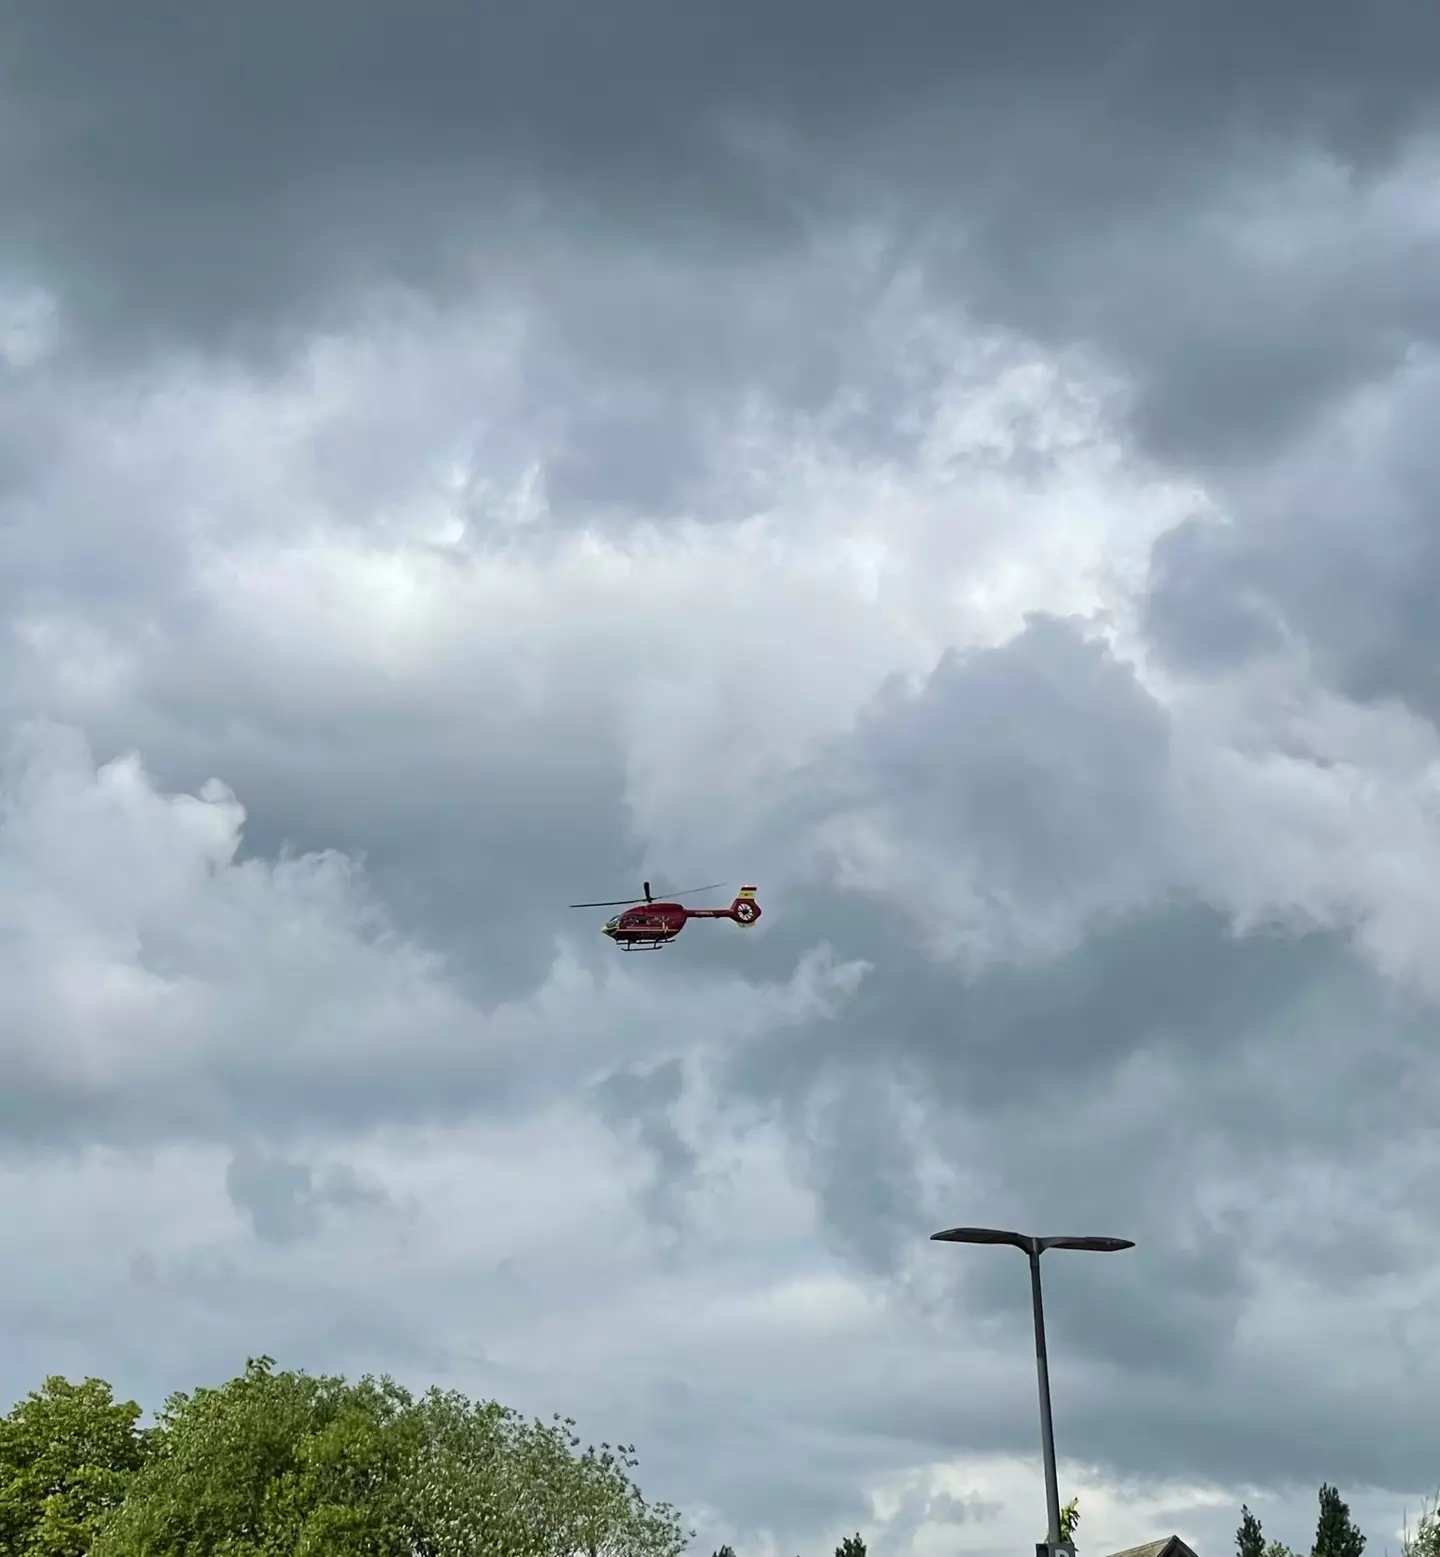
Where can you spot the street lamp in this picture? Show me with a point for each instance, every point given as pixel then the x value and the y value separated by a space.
pixel 1034 1248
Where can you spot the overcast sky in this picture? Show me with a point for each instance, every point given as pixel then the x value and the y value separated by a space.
pixel 968 469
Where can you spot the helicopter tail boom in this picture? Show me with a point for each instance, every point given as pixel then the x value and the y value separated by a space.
pixel 744 910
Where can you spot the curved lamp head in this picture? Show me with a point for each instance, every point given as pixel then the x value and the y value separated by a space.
pixel 982 1235
pixel 1095 1245
pixel 1027 1244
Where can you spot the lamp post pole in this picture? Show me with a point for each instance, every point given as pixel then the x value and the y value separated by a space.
pixel 1033 1248
pixel 1047 1420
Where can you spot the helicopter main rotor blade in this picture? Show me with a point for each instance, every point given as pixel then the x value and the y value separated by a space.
pixel 650 897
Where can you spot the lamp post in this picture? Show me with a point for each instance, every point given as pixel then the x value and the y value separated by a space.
pixel 1033 1248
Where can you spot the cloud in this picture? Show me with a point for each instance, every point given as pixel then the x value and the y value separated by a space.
pixel 1162 191
pixel 1328 549
pixel 1059 884
pixel 516 658
pixel 162 987
pixel 285 1200
pixel 969 477
pixel 1038 768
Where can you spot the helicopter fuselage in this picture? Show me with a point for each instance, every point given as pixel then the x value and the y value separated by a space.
pixel 649 926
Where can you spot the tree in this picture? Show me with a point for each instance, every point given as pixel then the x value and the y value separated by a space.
pixel 282 1464
pixel 1069 1519
pixel 1424 1539
pixel 851 1546
pixel 67 1454
pixel 725 1551
pixel 1335 1532
pixel 490 1484
pixel 269 1463
pixel 1249 1538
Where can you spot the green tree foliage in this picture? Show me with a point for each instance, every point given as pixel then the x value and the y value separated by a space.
pixel 724 1551
pixel 269 1463
pixel 851 1546
pixel 1249 1538
pixel 489 1482
pixel 1335 1532
pixel 1424 1539
pixel 282 1464
pixel 1069 1519
pixel 67 1453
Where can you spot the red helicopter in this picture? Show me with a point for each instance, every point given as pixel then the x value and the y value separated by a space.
pixel 647 925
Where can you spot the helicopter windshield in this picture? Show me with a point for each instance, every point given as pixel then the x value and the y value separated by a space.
pixel 611 924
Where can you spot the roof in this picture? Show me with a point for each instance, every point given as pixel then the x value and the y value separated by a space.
pixel 1169 1546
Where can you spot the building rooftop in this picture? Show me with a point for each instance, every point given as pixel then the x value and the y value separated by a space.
pixel 1169 1546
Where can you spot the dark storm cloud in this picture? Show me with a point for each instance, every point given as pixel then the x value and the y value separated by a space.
pixel 477 857
pixel 1023 1047
pixel 1336 549
pixel 1200 610
pixel 771 1478
pixel 213 175
pixel 1236 303
pixel 1104 1089
pixel 287 1200
pixel 475 830
pixel 1010 1036
pixel 863 1166
pixel 1023 795
pixel 1042 760
pixel 640 1102
pixel 1101 1096
pixel 1234 1424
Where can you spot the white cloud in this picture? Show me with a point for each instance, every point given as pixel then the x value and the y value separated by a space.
pixel 711 660
pixel 350 592
pixel 1300 807
pixel 154 980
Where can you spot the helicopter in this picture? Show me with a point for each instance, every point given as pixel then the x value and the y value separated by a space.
pixel 647 925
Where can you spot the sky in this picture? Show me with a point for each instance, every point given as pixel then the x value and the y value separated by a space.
pixel 968 471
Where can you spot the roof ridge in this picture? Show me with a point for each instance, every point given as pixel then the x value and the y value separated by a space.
pixel 1166 1546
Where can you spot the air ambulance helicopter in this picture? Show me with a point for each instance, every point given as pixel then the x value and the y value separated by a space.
pixel 647 925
